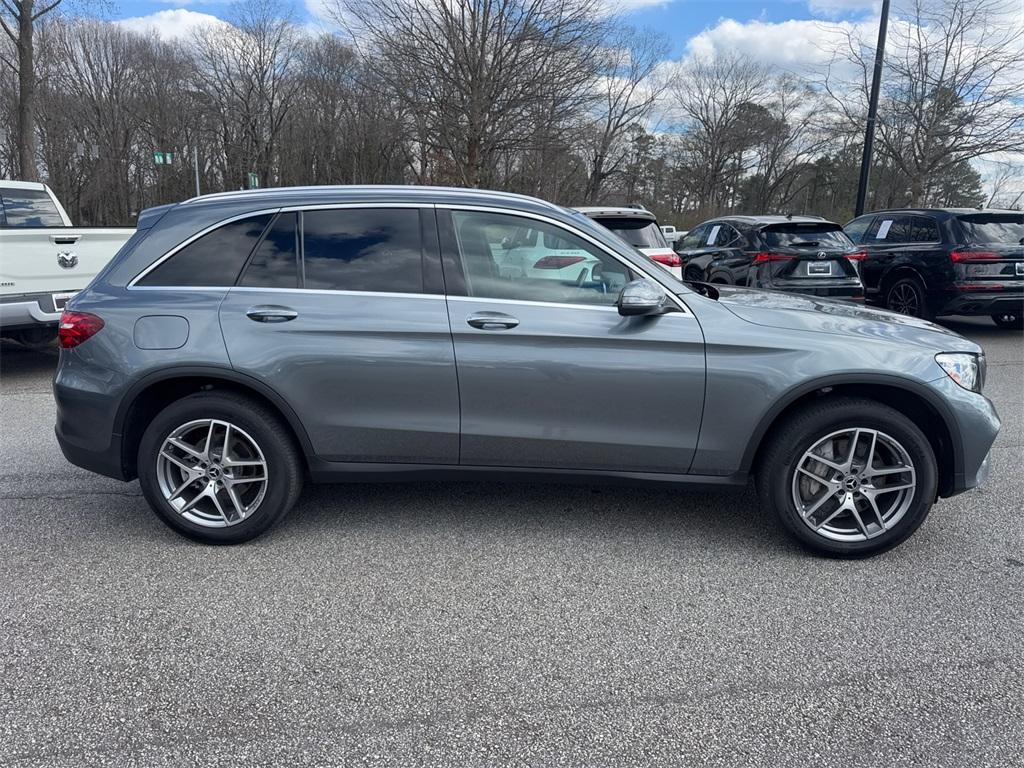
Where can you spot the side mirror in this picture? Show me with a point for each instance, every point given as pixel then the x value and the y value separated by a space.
pixel 642 297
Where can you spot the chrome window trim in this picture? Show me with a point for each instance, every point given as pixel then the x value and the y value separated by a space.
pixel 685 310
pixel 526 303
pixel 217 225
pixel 386 294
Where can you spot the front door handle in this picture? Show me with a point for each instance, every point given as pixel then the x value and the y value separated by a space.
pixel 271 313
pixel 492 321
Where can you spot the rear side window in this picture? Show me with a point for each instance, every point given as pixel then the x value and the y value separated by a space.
pixel 805 236
pixel 1003 228
pixel 275 262
pixel 640 233
pixel 922 229
pixel 726 235
pixel 214 260
pixel 28 208
pixel 363 249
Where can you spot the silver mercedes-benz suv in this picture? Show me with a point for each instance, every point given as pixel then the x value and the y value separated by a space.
pixel 241 343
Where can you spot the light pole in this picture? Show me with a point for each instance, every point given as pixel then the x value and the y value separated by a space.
pixel 869 131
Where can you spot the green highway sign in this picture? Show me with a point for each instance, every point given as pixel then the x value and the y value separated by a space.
pixel 163 158
pixel 254 181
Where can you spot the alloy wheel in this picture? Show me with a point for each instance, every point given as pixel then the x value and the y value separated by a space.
pixel 212 473
pixel 854 484
pixel 904 298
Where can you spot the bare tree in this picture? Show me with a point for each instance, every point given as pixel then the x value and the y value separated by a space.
pixel 18 19
pixel 718 106
pixel 951 88
pixel 478 73
pixel 629 86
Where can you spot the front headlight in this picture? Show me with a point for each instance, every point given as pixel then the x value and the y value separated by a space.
pixel 964 368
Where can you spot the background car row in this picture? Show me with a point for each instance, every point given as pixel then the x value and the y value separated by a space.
pixel 920 262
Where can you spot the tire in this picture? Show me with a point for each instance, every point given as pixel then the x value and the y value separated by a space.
pixel 1013 321
pixel 780 482
pixel 260 443
pixel 906 296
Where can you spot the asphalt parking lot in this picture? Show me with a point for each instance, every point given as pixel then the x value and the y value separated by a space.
pixel 465 625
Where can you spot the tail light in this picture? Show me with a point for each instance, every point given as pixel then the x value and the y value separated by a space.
pixel 860 256
pixel 973 255
pixel 76 327
pixel 669 259
pixel 762 258
pixel 558 262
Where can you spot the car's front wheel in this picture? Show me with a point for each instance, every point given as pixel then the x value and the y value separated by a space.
pixel 1013 321
pixel 219 467
pixel 848 477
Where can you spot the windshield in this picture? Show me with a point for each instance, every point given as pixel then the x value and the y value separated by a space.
pixel 806 236
pixel 1005 228
pixel 640 233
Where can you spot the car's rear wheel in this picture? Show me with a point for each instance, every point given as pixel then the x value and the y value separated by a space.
pixel 848 477
pixel 1013 321
pixel 219 467
pixel 907 297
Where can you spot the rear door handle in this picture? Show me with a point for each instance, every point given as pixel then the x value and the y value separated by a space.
pixel 271 313
pixel 492 321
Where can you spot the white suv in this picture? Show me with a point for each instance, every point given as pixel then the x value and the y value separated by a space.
pixel 639 228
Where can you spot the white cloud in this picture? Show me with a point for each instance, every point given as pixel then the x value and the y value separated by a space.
pixel 174 24
pixel 791 45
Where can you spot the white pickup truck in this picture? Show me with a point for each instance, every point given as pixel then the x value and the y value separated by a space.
pixel 44 260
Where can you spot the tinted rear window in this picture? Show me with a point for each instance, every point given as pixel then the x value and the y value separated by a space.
pixel 641 233
pixel 805 236
pixel 215 259
pixel 29 208
pixel 275 262
pixel 1006 228
pixel 363 249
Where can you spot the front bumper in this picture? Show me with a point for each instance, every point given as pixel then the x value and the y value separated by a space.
pixel 28 310
pixel 974 425
pixel 984 303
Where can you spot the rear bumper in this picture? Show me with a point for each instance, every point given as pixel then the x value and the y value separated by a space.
pixel 983 303
pixel 87 402
pixel 853 292
pixel 28 311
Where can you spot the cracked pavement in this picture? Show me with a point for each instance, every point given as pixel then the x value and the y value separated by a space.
pixel 483 624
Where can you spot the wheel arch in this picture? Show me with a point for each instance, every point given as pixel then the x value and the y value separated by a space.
pixel 156 391
pixel 914 400
pixel 897 272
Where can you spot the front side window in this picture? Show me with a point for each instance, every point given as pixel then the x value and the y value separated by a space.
pixel 726 235
pixel 28 208
pixel 696 237
pixel 640 233
pixel 213 260
pixel 275 262
pixel 858 227
pixel 541 262
pixel 888 230
pixel 363 249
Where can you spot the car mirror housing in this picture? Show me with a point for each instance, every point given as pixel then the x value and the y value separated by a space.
pixel 642 297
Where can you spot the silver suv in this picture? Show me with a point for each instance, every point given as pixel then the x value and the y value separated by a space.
pixel 242 343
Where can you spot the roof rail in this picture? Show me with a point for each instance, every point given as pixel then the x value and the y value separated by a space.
pixel 403 188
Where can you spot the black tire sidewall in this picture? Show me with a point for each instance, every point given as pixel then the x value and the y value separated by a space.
pixel 922 300
pixel 284 476
pixel 801 433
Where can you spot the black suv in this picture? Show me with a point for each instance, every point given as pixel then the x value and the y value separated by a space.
pixel 944 261
pixel 799 254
